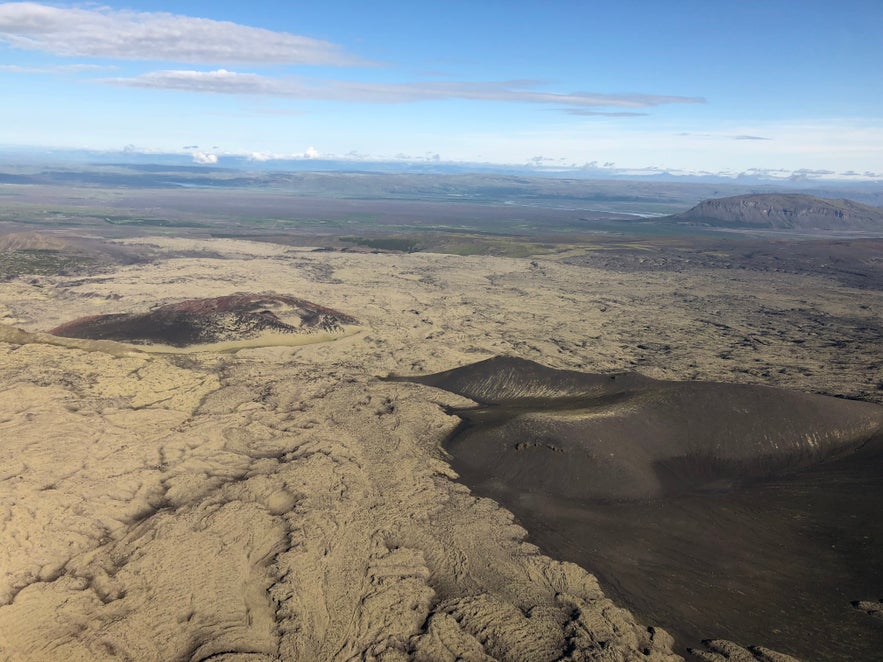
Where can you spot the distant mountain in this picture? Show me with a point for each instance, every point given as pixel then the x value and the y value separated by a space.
pixel 783 211
pixel 18 162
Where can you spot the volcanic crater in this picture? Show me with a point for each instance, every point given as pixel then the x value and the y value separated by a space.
pixel 230 318
pixel 708 508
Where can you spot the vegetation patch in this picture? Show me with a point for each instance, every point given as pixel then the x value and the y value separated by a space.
pixel 152 222
pixel 401 244
pixel 39 262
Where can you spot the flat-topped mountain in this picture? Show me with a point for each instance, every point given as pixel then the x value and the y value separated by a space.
pixel 783 211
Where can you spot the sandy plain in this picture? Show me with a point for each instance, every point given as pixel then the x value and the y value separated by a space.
pixel 284 502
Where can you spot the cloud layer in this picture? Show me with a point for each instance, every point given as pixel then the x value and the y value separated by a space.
pixel 596 113
pixel 102 32
pixel 222 81
pixel 129 35
pixel 55 69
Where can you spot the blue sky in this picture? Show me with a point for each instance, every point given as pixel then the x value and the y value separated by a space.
pixel 711 86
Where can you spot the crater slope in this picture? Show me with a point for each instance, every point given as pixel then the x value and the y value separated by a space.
pixel 626 436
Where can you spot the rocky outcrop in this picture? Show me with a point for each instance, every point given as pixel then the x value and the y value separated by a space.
pixel 776 211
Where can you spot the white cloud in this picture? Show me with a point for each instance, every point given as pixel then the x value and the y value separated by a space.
pixel 596 113
pixel 717 136
pixel 129 35
pixel 222 81
pixel 55 69
pixel 261 157
pixel 219 81
pixel 205 158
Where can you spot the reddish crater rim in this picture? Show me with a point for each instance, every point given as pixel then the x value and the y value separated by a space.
pixel 235 302
pixel 197 319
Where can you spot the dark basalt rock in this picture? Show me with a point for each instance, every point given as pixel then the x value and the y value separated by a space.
pixel 201 321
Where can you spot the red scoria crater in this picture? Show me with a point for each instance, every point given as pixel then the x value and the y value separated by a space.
pixel 201 321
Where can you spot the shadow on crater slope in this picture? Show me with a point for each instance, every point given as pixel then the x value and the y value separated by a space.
pixel 200 321
pixel 714 510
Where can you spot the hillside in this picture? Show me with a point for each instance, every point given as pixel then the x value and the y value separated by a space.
pixel 783 211
pixel 34 241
